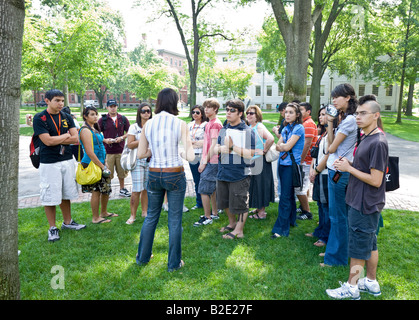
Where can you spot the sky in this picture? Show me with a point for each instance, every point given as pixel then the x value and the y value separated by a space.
pixel 164 29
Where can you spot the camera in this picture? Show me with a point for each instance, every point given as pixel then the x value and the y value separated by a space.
pixel 331 110
pixel 106 172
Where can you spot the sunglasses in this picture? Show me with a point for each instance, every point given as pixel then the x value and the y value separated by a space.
pixel 231 110
pixel 145 111
pixel 251 113
pixel 196 112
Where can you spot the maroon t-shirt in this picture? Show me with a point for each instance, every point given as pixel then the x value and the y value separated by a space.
pixel 113 130
pixel 372 152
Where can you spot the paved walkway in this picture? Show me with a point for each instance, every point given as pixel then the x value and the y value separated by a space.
pixel 405 198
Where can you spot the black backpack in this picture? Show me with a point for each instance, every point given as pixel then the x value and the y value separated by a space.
pixel 34 148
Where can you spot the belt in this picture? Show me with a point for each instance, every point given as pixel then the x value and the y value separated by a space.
pixel 173 169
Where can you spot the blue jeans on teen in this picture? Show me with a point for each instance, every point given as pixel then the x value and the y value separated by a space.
pixel 196 177
pixel 287 209
pixel 337 244
pixel 323 229
pixel 174 183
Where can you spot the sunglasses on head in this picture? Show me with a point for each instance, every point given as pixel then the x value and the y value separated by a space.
pixel 231 110
pixel 145 111
pixel 196 112
pixel 251 113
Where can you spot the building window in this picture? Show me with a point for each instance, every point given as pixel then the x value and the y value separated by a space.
pixel 171 61
pixel 180 63
pixel 90 96
pixel 389 91
pixel 387 107
pixel 269 106
pixel 269 91
pixel 375 90
pixel 225 59
pixel 257 91
pixel 308 91
pixel 322 91
pixel 124 97
pixel 361 90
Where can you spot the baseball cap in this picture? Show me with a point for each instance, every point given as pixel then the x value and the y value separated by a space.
pixel 111 103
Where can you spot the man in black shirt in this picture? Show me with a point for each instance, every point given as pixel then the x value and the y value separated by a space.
pixel 366 198
pixel 56 131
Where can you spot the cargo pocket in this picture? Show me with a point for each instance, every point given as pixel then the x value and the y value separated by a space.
pixel 45 194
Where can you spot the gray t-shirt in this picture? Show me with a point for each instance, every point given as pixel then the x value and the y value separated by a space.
pixel 372 152
pixel 349 128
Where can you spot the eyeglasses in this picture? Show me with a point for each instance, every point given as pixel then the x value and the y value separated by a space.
pixel 231 110
pixel 362 113
pixel 251 113
pixel 196 112
pixel 145 111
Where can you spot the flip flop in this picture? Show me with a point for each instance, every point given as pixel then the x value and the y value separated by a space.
pixel 130 221
pixel 319 243
pixel 102 221
pixel 231 236
pixel 110 215
pixel 253 212
pixel 226 228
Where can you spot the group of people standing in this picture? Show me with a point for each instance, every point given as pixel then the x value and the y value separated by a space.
pixel 230 171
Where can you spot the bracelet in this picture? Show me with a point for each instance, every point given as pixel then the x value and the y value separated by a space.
pixel 315 168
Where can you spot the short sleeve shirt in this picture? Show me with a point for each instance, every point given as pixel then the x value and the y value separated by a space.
pixel 212 129
pixel 135 130
pixel 286 134
pixel 349 128
pixel 44 122
pixel 372 153
pixel 310 131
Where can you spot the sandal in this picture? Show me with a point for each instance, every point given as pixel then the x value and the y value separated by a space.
pixel 253 212
pixel 256 216
pixel 319 243
pixel 110 215
pixel 231 236
pixel 130 221
pixel 102 221
pixel 226 228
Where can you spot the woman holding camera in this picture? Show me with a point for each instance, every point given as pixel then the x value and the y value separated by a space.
pixel 95 152
pixel 341 144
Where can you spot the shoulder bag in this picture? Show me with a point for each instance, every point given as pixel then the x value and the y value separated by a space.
pixel 129 157
pixel 91 174
pixel 297 173
pixel 272 154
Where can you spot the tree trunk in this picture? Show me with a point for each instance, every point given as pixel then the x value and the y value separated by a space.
pixel 409 107
pixel 12 15
pixel 296 35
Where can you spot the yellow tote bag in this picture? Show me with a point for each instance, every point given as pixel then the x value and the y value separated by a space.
pixel 89 175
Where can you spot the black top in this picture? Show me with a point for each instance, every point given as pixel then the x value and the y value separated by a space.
pixel 44 122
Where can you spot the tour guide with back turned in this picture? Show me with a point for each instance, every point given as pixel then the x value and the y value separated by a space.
pixel 114 127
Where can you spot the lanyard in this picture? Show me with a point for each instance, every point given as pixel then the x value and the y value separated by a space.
pixel 59 125
pixel 358 143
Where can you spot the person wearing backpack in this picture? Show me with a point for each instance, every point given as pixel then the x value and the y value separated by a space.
pixel 114 127
pixel 56 132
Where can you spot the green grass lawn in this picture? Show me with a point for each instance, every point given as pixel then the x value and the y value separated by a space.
pixel 99 261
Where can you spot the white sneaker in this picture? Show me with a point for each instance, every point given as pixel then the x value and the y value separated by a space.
pixel 369 286
pixel 345 291
pixel 202 221
pixel 185 209
pixel 73 225
pixel 53 234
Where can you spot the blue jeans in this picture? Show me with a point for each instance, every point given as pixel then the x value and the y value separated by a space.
pixel 158 184
pixel 323 229
pixel 287 209
pixel 196 177
pixel 337 244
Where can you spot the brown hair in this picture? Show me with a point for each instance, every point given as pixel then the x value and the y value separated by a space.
pixel 211 103
pixel 257 111
pixel 296 107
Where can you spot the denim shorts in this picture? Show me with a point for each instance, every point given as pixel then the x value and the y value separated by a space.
pixel 362 233
pixel 207 181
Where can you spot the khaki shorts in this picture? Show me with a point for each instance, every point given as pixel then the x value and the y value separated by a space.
pixel 233 195
pixel 58 182
pixel 114 161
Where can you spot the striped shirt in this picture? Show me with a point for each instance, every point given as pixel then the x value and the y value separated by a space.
pixel 163 133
